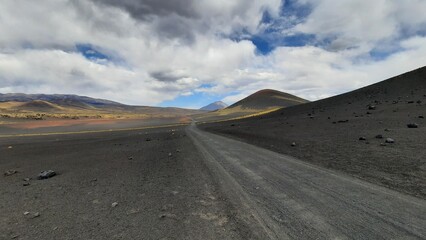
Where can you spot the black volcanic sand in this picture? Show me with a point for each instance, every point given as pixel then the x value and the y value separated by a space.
pixel 327 132
pixel 162 188
pixel 268 98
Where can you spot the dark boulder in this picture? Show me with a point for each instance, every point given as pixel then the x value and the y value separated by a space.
pixel 380 136
pixel 46 174
pixel 412 125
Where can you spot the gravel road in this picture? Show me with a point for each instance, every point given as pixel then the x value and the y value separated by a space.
pixel 185 183
pixel 291 199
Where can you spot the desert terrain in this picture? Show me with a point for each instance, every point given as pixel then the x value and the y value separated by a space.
pixel 285 169
pixel 212 120
pixel 162 189
pixel 349 132
pixel 184 183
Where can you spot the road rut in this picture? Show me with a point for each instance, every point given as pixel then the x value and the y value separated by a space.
pixel 281 197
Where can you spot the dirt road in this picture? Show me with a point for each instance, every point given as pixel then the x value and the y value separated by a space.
pixel 184 183
pixel 290 199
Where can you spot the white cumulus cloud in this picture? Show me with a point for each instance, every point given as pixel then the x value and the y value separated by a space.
pixel 159 50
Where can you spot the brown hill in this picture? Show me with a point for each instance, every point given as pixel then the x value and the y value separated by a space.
pixel 38 106
pixel 348 132
pixel 260 102
pixel 268 98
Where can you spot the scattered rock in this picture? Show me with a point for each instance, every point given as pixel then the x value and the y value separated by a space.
pixel 26 179
pixel 371 107
pixel 10 173
pixel 130 158
pixel 412 125
pixel 419 102
pixel 390 140
pixel 26 213
pixel 421 116
pixel 383 144
pixel 10 147
pixel 168 215
pixel 387 130
pixel 343 121
pixel 46 174
pixel 114 204
pixel 170 154
pixel 293 144
pixel 148 139
pixel 232 125
pixel 36 215
pixel 380 136
pixel 25 184
pixel 409 102
pixel 362 139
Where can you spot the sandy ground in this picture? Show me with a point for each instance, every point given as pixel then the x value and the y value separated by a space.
pixel 162 188
pixel 328 132
pixel 182 183
pixel 17 127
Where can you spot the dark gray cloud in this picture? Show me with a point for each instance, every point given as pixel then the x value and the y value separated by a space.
pixel 172 19
pixel 78 74
pixel 174 27
pixel 166 76
pixel 145 9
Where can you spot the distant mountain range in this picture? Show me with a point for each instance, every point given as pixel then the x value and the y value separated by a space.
pixel 60 99
pixel 21 105
pixel 214 106
pixel 18 105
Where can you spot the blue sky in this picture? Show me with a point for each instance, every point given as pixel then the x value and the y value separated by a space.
pixel 189 53
pixel 90 52
pixel 192 101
